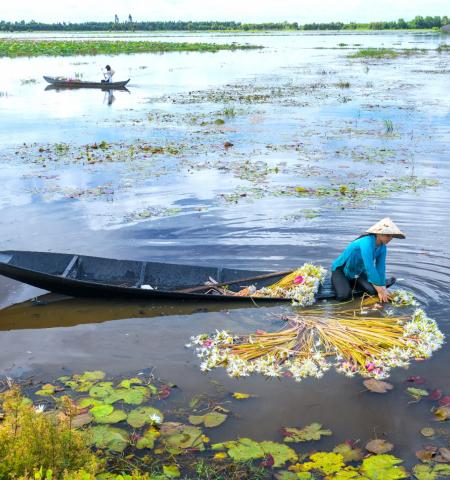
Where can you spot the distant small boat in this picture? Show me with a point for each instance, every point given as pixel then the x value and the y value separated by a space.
pixel 75 83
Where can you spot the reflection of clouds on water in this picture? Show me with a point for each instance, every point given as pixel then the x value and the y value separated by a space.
pixel 142 203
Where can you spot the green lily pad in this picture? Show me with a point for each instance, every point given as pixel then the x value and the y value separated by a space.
pixel 210 420
pixel 144 415
pixel 89 402
pixel 306 434
pixel 115 416
pixel 101 390
pixel 83 386
pixel 383 466
pixel 94 376
pixel 128 382
pixel 131 396
pixel 178 437
pixel 244 449
pixel 428 472
pixel 417 393
pixel 47 390
pixel 101 411
pixel 106 437
pixel 171 471
pixel 280 453
pixel 148 439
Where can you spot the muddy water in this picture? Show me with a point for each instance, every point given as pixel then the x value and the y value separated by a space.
pixel 313 131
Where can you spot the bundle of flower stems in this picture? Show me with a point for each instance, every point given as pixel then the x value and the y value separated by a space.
pixel 301 286
pixel 311 342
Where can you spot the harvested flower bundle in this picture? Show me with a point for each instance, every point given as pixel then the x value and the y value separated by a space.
pixel 301 286
pixel 353 342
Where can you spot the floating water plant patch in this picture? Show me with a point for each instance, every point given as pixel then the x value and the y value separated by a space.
pixel 57 48
pixel 312 342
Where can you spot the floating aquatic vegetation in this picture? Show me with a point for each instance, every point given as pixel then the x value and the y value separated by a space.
pixel 33 48
pixel 306 434
pixel 386 52
pixel 311 343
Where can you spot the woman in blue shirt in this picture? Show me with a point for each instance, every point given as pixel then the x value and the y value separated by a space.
pixel 362 265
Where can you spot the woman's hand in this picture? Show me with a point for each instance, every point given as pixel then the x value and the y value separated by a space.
pixel 382 293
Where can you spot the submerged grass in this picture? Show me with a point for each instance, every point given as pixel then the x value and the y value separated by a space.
pixel 34 48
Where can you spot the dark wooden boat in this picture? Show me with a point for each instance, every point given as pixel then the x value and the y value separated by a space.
pixel 59 82
pixel 84 276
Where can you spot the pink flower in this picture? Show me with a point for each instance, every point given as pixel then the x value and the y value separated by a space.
pixel 298 280
pixel 207 343
pixel 370 366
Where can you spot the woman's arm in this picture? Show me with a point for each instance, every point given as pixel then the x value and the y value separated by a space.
pixel 381 264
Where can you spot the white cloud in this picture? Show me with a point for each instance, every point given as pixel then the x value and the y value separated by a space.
pixel 264 10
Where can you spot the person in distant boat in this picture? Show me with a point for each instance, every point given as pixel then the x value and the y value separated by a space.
pixel 108 74
pixel 362 265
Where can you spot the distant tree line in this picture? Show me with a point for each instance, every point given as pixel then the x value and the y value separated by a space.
pixel 130 25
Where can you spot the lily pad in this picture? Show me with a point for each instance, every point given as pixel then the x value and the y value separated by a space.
pixel 379 446
pixel 325 462
pixel 442 413
pixel 171 471
pixel 178 437
pixel 279 452
pixel 81 420
pixel 131 395
pixel 428 472
pixel 417 393
pixel 384 467
pixel 306 434
pixel 47 390
pixel 148 439
pixel 115 416
pixel 210 420
pixel 128 382
pixel 377 386
pixel 89 402
pixel 93 376
pixel 106 437
pixel 101 410
pixel 101 390
pixel 427 432
pixel 241 396
pixel 141 416
pixel 244 450
pixel 348 453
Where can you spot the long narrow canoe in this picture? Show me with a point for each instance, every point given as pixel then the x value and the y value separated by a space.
pixel 85 276
pixel 60 82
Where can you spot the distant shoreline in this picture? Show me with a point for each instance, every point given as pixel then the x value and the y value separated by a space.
pixel 130 25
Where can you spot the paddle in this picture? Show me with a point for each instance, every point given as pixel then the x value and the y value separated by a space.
pixel 199 288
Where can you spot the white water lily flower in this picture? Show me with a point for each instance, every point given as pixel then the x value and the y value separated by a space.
pixel 39 408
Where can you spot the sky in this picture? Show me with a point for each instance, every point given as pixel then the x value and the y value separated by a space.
pixel 302 11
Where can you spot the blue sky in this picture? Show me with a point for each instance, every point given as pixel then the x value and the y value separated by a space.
pixel 301 11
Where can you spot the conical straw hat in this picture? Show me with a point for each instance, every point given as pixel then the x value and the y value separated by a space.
pixel 386 227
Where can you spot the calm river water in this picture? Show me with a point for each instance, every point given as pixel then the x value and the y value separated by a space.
pixel 293 121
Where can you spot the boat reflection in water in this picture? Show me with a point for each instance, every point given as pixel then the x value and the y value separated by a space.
pixel 53 310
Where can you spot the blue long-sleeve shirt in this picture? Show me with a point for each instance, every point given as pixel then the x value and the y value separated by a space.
pixel 364 256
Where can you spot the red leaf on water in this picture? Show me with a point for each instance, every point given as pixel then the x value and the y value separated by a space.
pixel 445 401
pixel 268 461
pixel 286 433
pixel 435 395
pixel 164 392
pixel 416 379
pixel 287 374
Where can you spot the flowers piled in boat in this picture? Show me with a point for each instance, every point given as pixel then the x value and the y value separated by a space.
pixel 301 286
pixel 311 343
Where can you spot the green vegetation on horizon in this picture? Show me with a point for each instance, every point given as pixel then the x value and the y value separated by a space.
pixel 34 48
pixel 418 22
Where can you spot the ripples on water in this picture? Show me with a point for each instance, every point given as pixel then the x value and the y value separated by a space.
pixel 80 335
